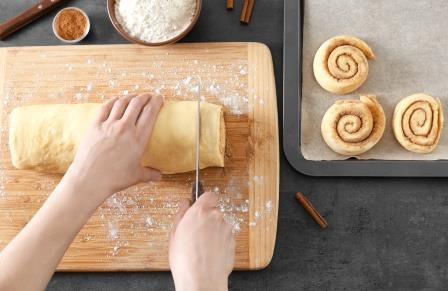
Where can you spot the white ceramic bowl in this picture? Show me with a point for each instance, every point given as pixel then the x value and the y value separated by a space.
pixel 74 40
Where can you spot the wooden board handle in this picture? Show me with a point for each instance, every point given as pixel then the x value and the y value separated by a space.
pixel 27 16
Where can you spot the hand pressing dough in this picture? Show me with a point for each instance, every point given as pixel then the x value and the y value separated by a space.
pixel 341 64
pixel 352 127
pixel 45 137
pixel 418 123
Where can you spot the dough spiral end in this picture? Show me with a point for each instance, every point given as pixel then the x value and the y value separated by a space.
pixel 341 64
pixel 352 127
pixel 418 123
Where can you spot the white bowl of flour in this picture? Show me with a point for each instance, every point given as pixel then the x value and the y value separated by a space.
pixel 154 22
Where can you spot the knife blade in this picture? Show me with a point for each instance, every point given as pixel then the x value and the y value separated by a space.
pixel 197 186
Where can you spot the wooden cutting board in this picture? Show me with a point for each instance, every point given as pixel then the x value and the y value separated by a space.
pixel 129 232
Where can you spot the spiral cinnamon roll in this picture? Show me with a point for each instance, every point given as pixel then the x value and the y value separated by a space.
pixel 341 64
pixel 352 127
pixel 418 123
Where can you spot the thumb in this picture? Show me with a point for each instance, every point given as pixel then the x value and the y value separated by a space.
pixel 149 175
pixel 184 206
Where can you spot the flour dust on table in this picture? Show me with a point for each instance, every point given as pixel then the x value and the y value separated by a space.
pixel 135 214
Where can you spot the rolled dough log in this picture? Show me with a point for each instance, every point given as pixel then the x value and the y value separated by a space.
pixel 45 137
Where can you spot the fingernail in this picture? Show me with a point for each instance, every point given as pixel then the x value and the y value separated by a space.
pixel 157 99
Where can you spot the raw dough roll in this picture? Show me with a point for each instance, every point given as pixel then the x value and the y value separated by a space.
pixel 341 65
pixel 418 123
pixel 45 137
pixel 352 127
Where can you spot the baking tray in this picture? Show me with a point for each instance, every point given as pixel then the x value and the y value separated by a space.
pixel 292 96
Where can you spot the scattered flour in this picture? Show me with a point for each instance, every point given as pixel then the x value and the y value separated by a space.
pixel 133 213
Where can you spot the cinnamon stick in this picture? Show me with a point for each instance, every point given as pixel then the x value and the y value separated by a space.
pixel 246 14
pixel 229 4
pixel 311 210
pixel 250 9
pixel 244 11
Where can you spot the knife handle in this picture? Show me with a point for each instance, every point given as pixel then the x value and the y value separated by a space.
pixel 27 16
pixel 193 191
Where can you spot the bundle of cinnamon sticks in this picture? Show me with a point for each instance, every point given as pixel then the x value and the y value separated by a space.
pixel 246 12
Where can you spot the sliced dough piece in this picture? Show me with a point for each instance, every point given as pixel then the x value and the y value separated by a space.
pixel 45 137
pixel 341 64
pixel 418 123
pixel 352 127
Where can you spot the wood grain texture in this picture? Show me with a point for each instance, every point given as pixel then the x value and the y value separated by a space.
pixel 130 231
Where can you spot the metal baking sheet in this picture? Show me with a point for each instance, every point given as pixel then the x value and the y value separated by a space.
pixel 291 120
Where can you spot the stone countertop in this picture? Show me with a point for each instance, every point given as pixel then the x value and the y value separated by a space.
pixel 384 234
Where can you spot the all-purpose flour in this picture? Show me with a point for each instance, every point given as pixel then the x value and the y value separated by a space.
pixel 155 20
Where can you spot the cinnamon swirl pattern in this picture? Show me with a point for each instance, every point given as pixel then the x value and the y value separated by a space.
pixel 341 64
pixel 352 127
pixel 418 123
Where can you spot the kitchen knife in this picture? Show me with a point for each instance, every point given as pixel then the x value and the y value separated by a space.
pixel 198 190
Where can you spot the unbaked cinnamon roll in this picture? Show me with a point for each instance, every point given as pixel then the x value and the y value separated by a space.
pixel 352 127
pixel 418 123
pixel 341 64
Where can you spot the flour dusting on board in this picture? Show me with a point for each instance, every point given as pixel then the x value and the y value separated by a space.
pixel 144 212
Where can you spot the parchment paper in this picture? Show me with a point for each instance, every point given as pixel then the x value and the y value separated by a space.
pixel 410 41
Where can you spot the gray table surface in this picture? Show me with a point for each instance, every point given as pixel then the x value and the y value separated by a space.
pixel 385 234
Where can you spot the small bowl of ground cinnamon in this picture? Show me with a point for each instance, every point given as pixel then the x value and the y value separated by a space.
pixel 71 25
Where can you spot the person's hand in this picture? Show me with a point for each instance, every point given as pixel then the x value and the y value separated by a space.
pixel 202 246
pixel 109 158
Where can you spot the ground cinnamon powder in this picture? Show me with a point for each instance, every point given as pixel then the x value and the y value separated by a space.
pixel 71 24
